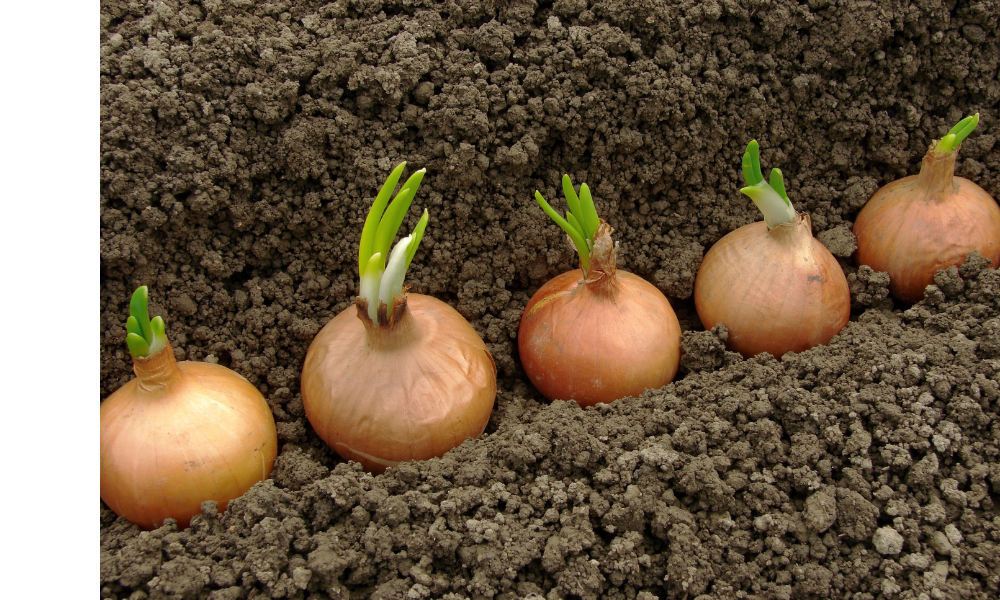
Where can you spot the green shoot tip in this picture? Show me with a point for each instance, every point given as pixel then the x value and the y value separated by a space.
pixel 416 236
pixel 143 336
pixel 770 197
pixel 778 183
pixel 958 133
pixel 378 268
pixel 137 346
pixel 572 230
pixel 752 174
pixel 776 209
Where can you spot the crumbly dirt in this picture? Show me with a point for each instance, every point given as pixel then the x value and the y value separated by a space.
pixel 242 143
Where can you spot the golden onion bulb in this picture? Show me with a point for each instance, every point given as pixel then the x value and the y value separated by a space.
pixel 581 340
pixel 412 387
pixel 179 434
pixel 599 335
pixel 776 289
pixel 918 225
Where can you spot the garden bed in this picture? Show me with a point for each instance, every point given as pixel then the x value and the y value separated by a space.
pixel 242 144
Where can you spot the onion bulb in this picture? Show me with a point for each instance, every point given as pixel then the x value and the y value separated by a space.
pixel 397 377
pixel 180 433
pixel 776 287
pixel 916 226
pixel 596 334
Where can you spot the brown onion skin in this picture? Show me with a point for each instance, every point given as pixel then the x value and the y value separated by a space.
pixel 598 337
pixel 777 290
pixel 179 434
pixel 385 394
pixel 916 226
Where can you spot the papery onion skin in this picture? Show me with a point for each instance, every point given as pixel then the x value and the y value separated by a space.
pixel 179 434
pixel 776 291
pixel 918 225
pixel 408 390
pixel 600 336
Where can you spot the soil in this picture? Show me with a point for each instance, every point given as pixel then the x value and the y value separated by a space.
pixel 242 143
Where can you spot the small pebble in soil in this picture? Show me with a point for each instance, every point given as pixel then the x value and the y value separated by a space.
pixel 939 542
pixel 821 511
pixel 887 541
pixel 953 534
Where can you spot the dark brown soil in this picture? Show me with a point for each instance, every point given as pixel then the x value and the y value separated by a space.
pixel 242 143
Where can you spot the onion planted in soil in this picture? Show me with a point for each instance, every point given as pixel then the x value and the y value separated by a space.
pixel 397 377
pixel 180 433
pixel 916 226
pixel 596 334
pixel 776 287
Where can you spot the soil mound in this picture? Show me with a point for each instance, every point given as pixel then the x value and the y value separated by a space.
pixel 242 144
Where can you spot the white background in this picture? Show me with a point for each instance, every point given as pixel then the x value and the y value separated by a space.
pixel 49 298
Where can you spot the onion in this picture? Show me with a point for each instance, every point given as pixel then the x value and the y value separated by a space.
pixel 916 226
pixel 776 288
pixel 411 388
pixel 180 433
pixel 397 377
pixel 596 334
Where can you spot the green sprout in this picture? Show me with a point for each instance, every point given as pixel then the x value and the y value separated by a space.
pixel 382 273
pixel 958 133
pixel 581 222
pixel 144 337
pixel 770 197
